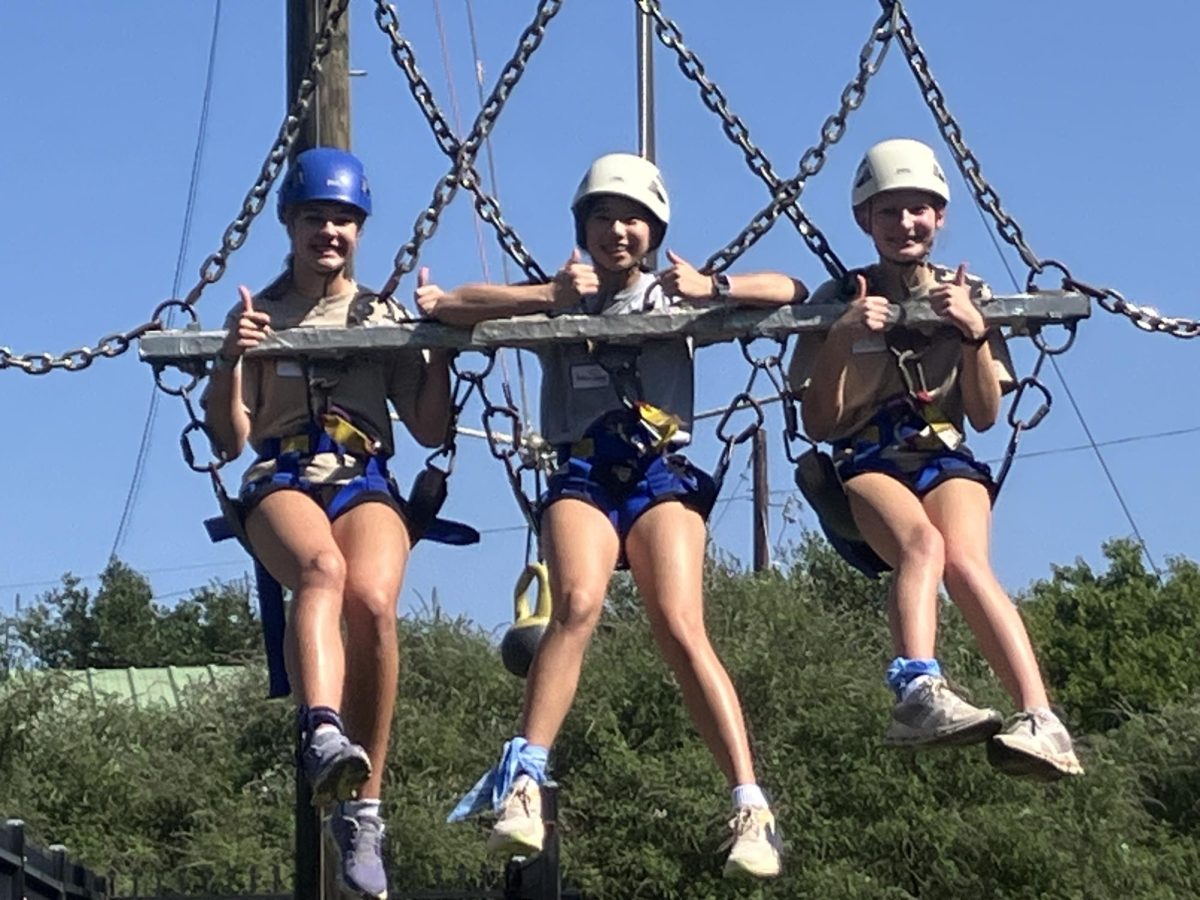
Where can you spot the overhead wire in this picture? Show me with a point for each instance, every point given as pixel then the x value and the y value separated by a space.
pixel 139 465
pixel 1092 443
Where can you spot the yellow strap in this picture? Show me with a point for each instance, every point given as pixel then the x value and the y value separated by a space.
pixel 345 433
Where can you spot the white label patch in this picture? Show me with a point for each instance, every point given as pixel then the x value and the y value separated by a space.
pixel 872 343
pixel 288 368
pixel 588 375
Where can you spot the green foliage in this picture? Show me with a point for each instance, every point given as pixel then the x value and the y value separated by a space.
pixel 1117 643
pixel 643 807
pixel 121 625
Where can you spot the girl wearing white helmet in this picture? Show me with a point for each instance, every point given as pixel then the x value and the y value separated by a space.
pixel 622 493
pixel 319 508
pixel 892 402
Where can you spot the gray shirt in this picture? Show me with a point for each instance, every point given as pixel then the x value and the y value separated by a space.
pixel 577 390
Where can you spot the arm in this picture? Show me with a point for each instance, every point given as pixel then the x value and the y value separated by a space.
pixel 978 379
pixel 430 420
pixel 472 303
pixel 682 279
pixel 824 398
pixel 225 413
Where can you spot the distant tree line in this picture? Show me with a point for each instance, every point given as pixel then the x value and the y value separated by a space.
pixel 208 785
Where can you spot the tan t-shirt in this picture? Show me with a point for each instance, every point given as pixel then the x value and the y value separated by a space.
pixel 873 376
pixel 283 394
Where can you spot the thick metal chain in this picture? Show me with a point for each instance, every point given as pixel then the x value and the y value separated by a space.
pixel 739 133
pixel 256 198
pixel 486 205
pixel 462 173
pixel 108 347
pixel 1144 317
pixel 870 59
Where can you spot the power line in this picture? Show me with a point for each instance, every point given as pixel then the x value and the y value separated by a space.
pixel 139 465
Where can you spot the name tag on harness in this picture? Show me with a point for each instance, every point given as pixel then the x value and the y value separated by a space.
pixel 588 375
pixel 288 368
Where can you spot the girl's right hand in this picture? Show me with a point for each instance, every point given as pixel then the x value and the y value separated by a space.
pixel 865 313
pixel 252 328
pixel 574 281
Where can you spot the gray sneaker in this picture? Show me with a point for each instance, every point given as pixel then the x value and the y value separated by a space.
pixel 1034 745
pixel 933 715
pixel 336 767
pixel 357 842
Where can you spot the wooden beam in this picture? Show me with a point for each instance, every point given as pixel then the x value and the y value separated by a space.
pixel 705 326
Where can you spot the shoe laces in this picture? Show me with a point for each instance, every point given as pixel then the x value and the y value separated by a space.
pixel 520 794
pixel 366 834
pixel 744 823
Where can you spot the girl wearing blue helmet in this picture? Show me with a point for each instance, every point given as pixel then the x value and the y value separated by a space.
pixel 321 511
pixel 623 493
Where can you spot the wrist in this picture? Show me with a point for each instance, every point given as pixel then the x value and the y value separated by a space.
pixel 977 341
pixel 225 361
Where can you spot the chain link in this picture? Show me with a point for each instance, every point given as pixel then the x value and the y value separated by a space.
pixel 108 347
pixel 486 206
pixel 462 173
pixel 870 59
pixel 1144 317
pixel 739 133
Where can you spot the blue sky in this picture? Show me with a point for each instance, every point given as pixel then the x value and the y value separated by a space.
pixel 1082 122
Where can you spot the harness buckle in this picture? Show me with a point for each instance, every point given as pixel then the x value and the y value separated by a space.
pixel 343 432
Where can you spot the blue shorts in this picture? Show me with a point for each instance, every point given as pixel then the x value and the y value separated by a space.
pixel 611 475
pixel 374 484
pixel 897 442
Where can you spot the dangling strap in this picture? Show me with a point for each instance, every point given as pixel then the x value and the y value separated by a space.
pixel 518 757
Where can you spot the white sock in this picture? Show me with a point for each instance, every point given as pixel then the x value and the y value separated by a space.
pixel 325 728
pixel 356 808
pixel 749 795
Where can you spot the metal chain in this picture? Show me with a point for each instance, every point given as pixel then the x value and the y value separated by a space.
pixel 108 347
pixel 870 60
pixel 256 198
pixel 1144 317
pixel 739 133
pixel 487 206
pixel 462 173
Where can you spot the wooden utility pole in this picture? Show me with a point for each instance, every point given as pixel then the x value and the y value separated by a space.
pixel 328 122
pixel 762 548
pixel 327 125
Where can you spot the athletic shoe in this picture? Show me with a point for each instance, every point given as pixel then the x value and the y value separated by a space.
pixel 1034 745
pixel 755 847
pixel 336 767
pixel 519 831
pixel 933 715
pixel 357 843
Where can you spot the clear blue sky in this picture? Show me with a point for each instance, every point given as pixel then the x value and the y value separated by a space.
pixel 1083 122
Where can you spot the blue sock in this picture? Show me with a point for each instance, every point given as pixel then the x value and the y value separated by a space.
pixel 902 671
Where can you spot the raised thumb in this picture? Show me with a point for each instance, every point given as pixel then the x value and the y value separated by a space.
pixel 247 298
pixel 422 276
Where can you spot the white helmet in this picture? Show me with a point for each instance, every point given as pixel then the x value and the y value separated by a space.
pixel 625 175
pixel 898 164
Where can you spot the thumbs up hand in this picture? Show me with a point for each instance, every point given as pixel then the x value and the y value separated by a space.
pixel 952 301
pixel 430 298
pixel 682 279
pixel 252 327
pixel 866 313
pixel 574 281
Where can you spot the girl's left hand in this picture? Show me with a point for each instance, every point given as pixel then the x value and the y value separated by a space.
pixel 683 280
pixel 952 302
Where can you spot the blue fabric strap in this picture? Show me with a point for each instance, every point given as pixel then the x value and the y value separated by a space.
pixel 903 670
pixel 518 757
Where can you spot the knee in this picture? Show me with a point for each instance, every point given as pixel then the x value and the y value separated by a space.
pixel 923 547
pixel 680 634
pixel 577 611
pixel 324 569
pixel 966 568
pixel 372 606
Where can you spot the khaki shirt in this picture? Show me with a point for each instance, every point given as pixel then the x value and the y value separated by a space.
pixel 873 376
pixel 282 395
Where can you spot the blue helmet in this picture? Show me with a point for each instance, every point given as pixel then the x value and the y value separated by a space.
pixel 325 173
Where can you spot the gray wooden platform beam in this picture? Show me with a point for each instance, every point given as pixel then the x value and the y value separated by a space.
pixel 705 325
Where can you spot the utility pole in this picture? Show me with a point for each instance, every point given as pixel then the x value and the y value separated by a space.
pixel 647 148
pixel 328 121
pixel 326 125
pixel 762 548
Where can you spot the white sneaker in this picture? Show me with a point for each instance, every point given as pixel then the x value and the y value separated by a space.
pixel 934 715
pixel 755 847
pixel 1034 745
pixel 519 831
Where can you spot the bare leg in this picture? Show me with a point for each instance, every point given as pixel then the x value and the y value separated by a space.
pixel 892 521
pixel 375 543
pixel 666 555
pixel 291 537
pixel 961 511
pixel 581 548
